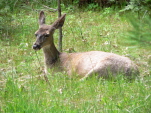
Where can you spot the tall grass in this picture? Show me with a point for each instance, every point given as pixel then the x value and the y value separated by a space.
pixel 23 88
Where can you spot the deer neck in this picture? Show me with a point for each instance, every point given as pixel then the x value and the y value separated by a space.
pixel 51 54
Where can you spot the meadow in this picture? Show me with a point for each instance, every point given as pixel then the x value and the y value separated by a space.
pixel 23 88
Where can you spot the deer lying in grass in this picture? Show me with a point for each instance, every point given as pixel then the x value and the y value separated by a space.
pixel 83 64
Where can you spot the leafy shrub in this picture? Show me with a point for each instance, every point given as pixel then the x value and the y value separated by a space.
pixel 141 31
pixel 138 5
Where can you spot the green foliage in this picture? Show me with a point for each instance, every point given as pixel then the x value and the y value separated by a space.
pixel 141 31
pixel 5 14
pixel 70 2
pixel 138 5
pixel 92 7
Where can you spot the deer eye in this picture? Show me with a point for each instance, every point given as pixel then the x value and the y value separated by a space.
pixel 36 35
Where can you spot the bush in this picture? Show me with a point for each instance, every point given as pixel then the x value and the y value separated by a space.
pixel 141 31
pixel 138 5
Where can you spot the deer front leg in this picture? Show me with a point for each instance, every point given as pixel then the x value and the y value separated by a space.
pixel 45 70
pixel 87 75
pixel 99 69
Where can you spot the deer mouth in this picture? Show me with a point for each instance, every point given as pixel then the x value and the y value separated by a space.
pixel 36 47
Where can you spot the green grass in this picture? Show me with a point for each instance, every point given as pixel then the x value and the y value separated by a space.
pixel 23 88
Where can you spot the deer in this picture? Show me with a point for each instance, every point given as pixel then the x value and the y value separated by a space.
pixel 83 64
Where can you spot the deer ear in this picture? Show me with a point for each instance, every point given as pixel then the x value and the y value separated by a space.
pixel 41 18
pixel 59 23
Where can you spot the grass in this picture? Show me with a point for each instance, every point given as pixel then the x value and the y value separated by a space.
pixel 23 88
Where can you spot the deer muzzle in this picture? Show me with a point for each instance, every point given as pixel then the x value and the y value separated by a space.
pixel 36 47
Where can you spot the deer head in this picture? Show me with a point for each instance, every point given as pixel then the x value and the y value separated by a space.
pixel 44 35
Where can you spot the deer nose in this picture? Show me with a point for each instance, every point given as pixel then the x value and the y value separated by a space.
pixel 36 47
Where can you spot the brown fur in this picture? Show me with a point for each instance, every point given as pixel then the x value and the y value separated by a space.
pixel 83 64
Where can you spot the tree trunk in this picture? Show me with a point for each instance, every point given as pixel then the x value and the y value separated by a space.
pixel 60 29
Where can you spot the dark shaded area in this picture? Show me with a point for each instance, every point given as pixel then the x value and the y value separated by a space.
pixel 104 3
